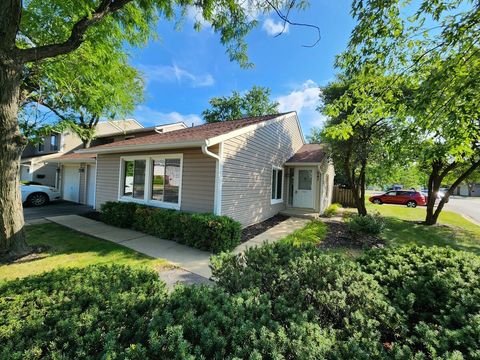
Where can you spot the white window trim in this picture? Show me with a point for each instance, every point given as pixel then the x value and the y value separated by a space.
pixel 148 181
pixel 277 201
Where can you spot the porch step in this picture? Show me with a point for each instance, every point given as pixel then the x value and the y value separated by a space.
pixel 300 213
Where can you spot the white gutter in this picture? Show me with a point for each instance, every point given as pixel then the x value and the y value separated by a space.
pixel 217 202
pixel 137 148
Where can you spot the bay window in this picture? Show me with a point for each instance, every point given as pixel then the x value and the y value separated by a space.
pixel 154 180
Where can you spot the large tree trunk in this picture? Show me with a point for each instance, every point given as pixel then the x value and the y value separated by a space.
pixel 12 143
pixel 362 209
pixel 433 187
pixel 456 183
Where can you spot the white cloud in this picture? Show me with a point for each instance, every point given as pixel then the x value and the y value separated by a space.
pixel 174 73
pixel 274 28
pixel 150 117
pixel 303 99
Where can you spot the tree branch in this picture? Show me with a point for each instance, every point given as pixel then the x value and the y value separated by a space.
pixel 76 37
pixel 286 20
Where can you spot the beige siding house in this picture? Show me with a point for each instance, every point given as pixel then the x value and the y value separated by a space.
pixel 248 169
pixel 75 174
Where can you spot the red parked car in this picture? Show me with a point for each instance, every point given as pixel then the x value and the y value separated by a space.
pixel 411 198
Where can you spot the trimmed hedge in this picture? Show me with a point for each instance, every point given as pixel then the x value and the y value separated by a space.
pixel 203 231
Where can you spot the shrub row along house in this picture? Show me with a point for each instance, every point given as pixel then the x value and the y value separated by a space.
pixel 248 169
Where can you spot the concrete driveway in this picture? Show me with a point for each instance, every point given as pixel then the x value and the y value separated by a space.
pixel 55 208
pixel 466 206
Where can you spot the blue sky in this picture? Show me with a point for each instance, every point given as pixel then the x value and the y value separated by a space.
pixel 184 69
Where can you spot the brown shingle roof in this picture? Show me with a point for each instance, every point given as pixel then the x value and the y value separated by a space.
pixel 191 134
pixel 308 153
pixel 74 156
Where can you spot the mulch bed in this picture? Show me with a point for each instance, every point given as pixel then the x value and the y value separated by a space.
pixel 338 236
pixel 92 215
pixel 256 229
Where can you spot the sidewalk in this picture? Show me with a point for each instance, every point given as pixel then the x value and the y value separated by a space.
pixel 192 260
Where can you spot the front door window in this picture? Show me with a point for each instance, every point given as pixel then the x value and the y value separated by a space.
pixel 304 179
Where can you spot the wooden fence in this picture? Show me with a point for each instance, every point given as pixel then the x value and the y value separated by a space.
pixel 343 196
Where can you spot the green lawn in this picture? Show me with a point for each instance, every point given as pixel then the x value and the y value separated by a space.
pixel 452 229
pixel 313 233
pixel 68 248
pixel 402 228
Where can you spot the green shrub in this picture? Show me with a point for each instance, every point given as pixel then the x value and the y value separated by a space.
pixel 118 213
pixel 203 231
pixel 208 323
pixel 327 290
pixel 437 293
pixel 332 210
pixel 91 313
pixel 368 224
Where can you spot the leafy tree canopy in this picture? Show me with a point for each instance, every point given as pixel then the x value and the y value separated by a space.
pixel 435 45
pixel 79 89
pixel 254 102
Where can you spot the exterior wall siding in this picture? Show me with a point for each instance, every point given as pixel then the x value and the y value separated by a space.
pixel 198 179
pixel 247 170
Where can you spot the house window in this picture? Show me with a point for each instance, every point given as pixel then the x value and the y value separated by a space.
pixel 277 185
pixel 54 142
pixel 153 180
pixel 41 146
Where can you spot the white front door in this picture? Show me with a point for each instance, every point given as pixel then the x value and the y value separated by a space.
pixel 91 185
pixel 304 188
pixel 71 183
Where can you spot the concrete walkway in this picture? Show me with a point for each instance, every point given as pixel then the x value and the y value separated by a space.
pixel 192 260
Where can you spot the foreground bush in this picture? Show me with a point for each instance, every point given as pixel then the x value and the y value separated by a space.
pixel 367 224
pixel 276 302
pixel 99 311
pixel 203 231
pixel 436 291
pixel 327 290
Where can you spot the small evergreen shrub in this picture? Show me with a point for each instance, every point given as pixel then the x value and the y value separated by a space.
pixel 332 210
pixel 203 231
pixel 118 213
pixel 91 313
pixel 368 224
pixel 436 291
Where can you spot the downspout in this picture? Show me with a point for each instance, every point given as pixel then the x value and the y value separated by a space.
pixel 217 202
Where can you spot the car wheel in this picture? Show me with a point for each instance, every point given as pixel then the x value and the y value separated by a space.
pixel 377 201
pixel 411 204
pixel 37 199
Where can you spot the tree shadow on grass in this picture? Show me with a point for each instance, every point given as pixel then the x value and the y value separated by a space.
pixel 402 232
pixel 60 240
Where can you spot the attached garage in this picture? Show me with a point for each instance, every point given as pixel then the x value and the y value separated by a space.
pixel 71 182
pixel 77 177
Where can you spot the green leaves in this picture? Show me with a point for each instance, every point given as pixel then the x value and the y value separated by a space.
pixel 254 102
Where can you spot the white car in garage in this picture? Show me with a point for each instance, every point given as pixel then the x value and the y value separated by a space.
pixel 38 195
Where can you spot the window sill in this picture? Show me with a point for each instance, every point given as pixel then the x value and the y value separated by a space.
pixel 276 201
pixel 153 203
